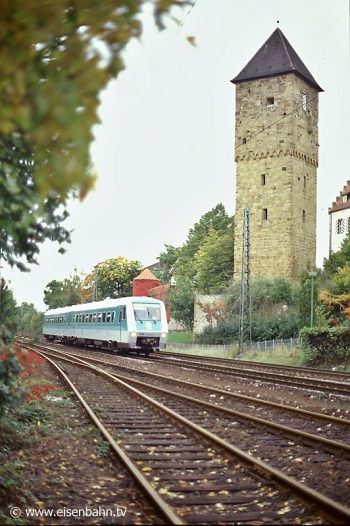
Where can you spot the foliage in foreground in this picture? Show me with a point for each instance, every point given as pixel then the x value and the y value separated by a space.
pixel 326 345
pixel 11 394
pixel 55 59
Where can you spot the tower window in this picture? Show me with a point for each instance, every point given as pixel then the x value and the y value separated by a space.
pixel 304 215
pixel 304 181
pixel 304 101
pixel 244 140
pixel 340 226
pixel 263 179
pixel 270 101
pixel 264 214
pixel 284 168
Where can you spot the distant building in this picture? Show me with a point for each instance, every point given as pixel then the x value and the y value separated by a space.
pixel 147 284
pixel 144 282
pixel 339 219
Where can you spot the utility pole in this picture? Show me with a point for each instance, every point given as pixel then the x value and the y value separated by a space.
pixel 312 276
pixel 245 311
pixel 94 293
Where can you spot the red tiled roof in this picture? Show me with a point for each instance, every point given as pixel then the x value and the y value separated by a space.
pixel 147 274
pixel 339 204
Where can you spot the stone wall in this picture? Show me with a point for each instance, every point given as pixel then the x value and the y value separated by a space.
pixel 277 156
pixel 207 310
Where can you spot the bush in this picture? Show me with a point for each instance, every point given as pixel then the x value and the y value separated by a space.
pixel 224 332
pixel 263 328
pixel 265 293
pixel 275 327
pixel 326 345
pixel 10 393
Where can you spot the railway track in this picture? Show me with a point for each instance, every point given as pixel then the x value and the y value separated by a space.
pixel 301 371
pixel 210 467
pixel 284 378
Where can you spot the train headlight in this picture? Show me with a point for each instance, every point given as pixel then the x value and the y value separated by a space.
pixel 133 334
pixel 163 335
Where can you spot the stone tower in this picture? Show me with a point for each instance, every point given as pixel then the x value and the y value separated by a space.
pixel 276 152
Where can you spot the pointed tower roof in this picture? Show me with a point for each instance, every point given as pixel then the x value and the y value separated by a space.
pixel 146 274
pixel 275 57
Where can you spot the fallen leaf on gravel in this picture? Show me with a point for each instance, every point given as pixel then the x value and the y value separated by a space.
pixel 286 509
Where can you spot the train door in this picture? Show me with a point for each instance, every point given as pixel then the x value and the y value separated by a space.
pixel 123 325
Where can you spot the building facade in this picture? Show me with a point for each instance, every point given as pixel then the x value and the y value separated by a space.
pixel 276 151
pixel 339 219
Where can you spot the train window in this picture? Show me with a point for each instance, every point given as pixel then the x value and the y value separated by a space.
pixel 94 317
pixel 146 311
pixel 103 317
pixel 113 316
pixel 99 317
pixel 90 318
pixel 108 317
pixel 124 313
pixel 86 318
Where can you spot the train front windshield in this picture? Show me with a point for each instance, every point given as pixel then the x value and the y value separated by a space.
pixel 146 311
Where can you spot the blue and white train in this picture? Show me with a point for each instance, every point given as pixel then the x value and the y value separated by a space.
pixel 137 324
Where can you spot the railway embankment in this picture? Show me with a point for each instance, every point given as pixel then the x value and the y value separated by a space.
pixel 55 468
pixel 205 434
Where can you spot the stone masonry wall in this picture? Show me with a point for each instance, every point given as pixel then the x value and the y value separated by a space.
pixel 277 157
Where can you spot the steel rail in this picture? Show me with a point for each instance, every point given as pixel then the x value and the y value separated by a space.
pixel 328 507
pixel 301 382
pixel 292 431
pixel 309 436
pixel 232 362
pixel 156 499
pixel 229 394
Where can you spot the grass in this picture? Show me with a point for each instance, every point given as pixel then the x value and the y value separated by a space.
pixel 180 337
pixel 278 356
pixel 17 431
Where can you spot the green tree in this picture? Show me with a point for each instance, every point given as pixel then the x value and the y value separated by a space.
pixel 52 70
pixel 167 260
pixel 8 313
pixel 181 302
pixel 304 299
pixel 214 262
pixel 63 293
pixel 339 259
pixel 216 220
pixel 341 281
pixel 114 277
pixel 30 322
pixel 10 392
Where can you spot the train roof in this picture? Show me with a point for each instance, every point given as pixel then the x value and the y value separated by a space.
pixel 105 304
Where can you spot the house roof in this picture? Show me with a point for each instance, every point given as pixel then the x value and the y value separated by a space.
pixel 147 274
pixel 339 203
pixel 275 57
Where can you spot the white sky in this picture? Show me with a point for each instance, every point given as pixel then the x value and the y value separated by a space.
pixel 164 150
